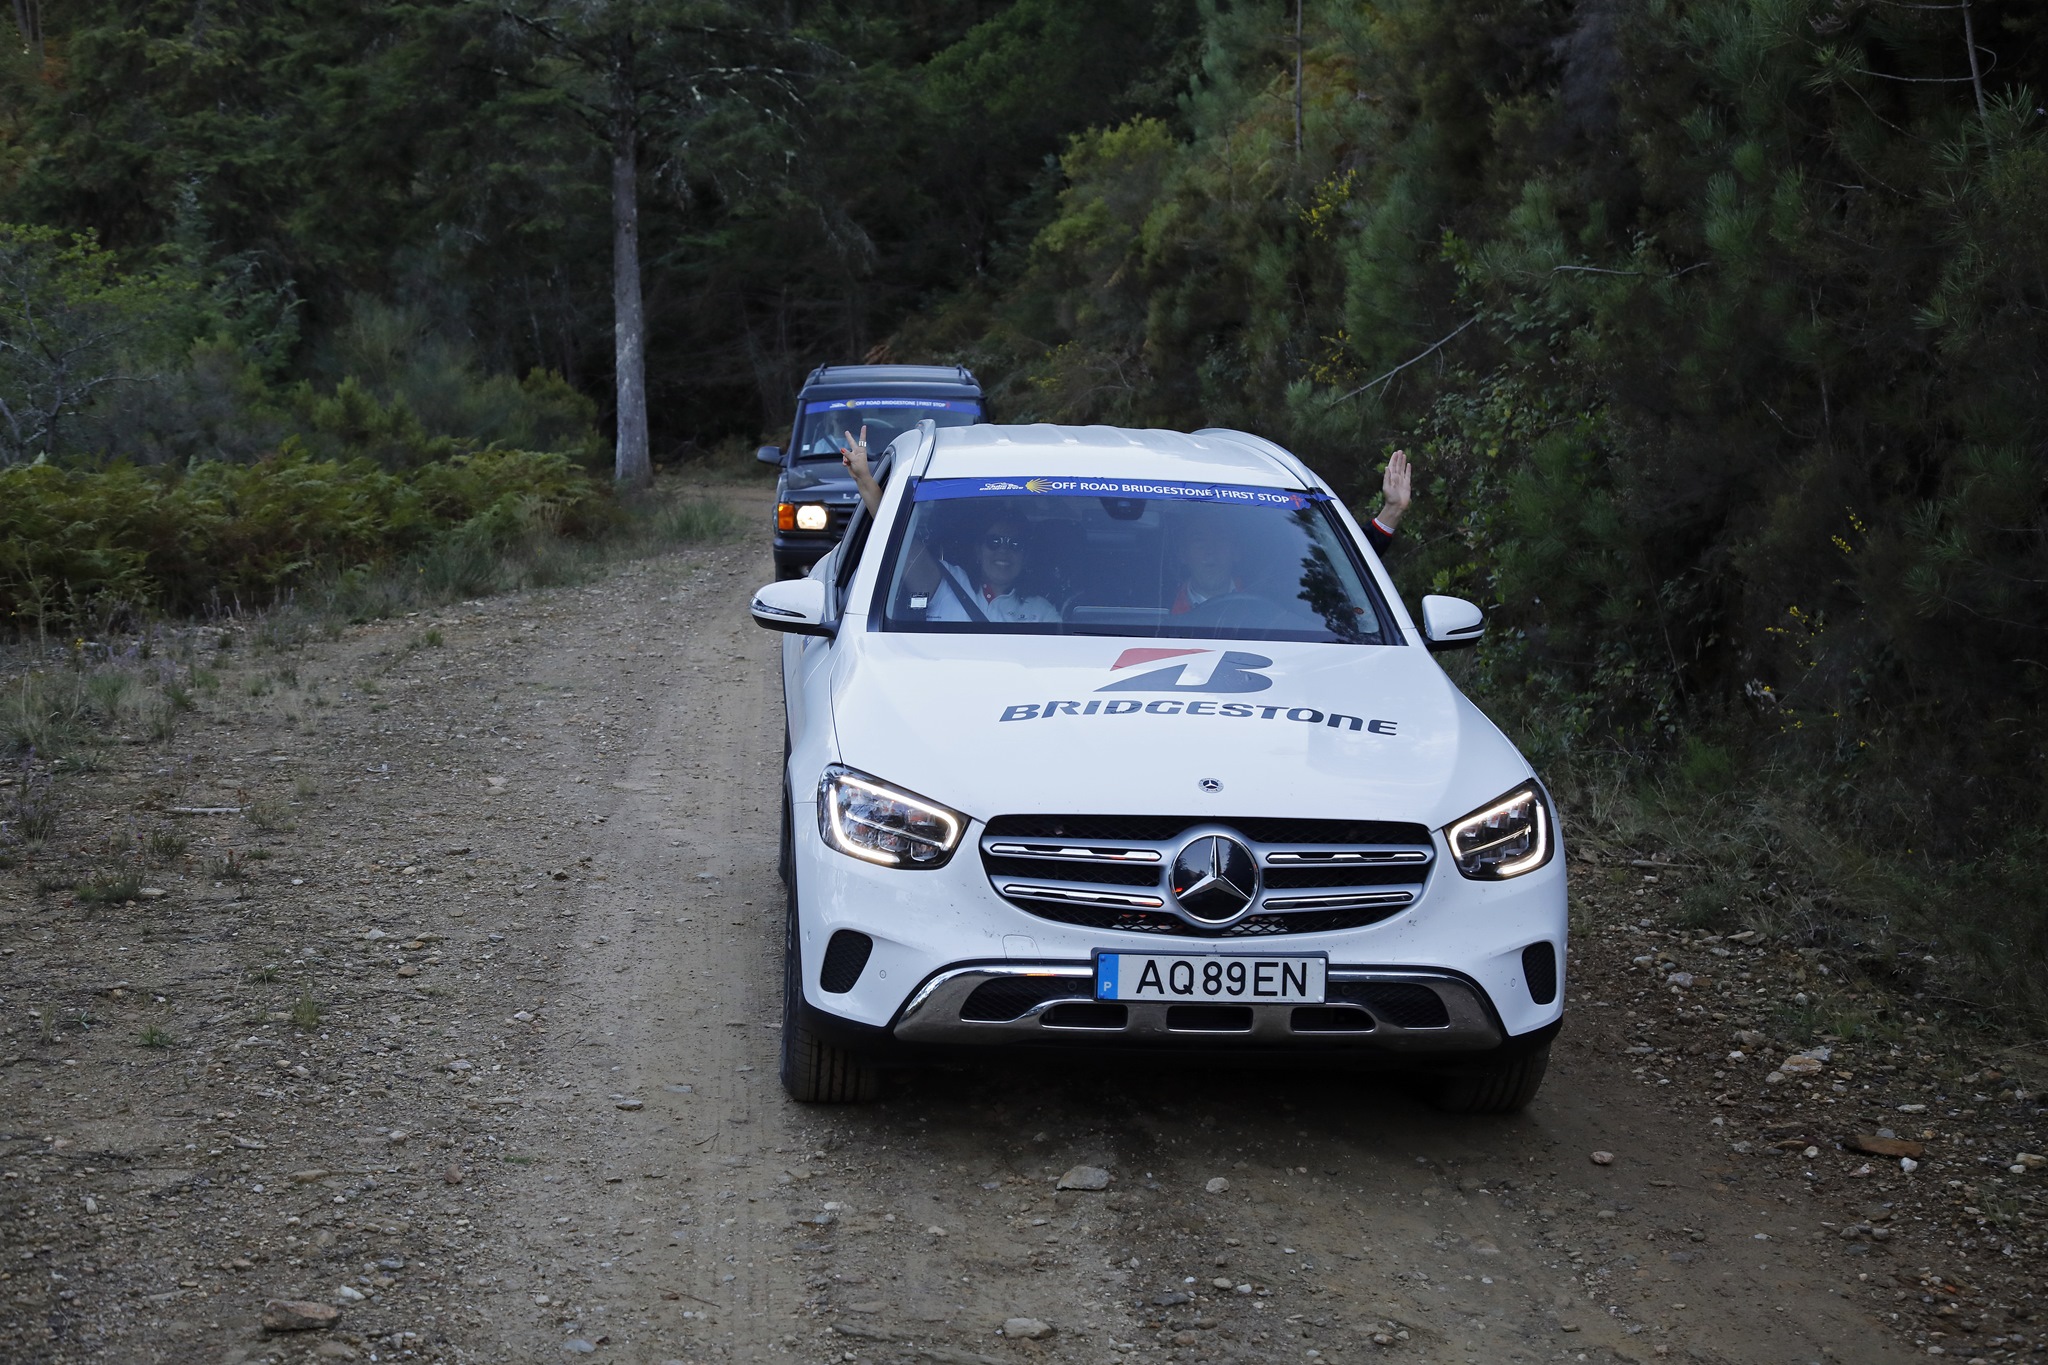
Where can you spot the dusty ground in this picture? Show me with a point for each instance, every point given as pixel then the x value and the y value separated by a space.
pixel 483 1051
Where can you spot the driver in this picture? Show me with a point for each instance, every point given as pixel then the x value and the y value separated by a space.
pixel 991 593
pixel 1208 561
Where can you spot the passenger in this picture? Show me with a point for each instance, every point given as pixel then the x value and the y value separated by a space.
pixel 1209 557
pixel 1394 490
pixel 1209 553
pixel 853 453
pixel 991 594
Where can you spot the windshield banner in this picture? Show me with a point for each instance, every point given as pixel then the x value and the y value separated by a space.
pixel 926 404
pixel 1230 494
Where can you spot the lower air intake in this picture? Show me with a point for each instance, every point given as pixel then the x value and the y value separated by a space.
pixel 846 957
pixel 1209 1018
pixel 1539 969
pixel 1330 1019
pixel 1009 997
pixel 1399 1003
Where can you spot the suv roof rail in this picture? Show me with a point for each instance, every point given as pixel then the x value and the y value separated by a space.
pixel 892 374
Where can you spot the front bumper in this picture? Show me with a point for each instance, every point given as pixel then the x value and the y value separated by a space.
pixel 803 547
pixel 940 935
pixel 938 1014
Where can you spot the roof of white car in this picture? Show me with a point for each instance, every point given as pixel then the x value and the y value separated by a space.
pixel 1069 452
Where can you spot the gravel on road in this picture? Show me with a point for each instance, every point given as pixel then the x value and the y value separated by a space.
pixel 452 1036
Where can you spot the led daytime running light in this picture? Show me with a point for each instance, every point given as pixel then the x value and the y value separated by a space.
pixel 1522 815
pixel 877 823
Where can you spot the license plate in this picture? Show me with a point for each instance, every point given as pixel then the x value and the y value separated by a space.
pixel 1210 978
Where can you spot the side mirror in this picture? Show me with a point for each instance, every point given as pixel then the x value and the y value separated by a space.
pixel 1450 623
pixel 796 606
pixel 768 454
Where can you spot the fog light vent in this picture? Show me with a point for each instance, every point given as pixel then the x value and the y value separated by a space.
pixel 1539 969
pixel 846 956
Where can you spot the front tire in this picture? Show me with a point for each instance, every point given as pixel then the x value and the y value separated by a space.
pixel 814 1071
pixel 1505 1087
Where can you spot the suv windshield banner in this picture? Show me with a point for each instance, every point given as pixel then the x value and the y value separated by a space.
pixel 929 404
pixel 1244 495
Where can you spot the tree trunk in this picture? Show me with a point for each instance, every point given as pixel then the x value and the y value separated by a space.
pixel 28 17
pixel 1297 78
pixel 632 467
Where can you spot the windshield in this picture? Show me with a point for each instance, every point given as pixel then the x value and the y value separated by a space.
pixel 1121 557
pixel 821 423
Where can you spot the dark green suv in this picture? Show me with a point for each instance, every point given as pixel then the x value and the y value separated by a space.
pixel 815 495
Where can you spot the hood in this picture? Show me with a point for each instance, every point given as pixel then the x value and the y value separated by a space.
pixel 818 481
pixel 998 724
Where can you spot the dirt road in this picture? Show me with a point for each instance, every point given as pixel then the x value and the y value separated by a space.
pixel 521 864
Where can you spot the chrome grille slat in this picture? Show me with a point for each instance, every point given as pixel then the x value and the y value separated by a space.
pixel 1335 900
pixel 1075 852
pixel 1080 895
pixel 1091 870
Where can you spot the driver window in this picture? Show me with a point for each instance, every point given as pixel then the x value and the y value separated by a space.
pixel 856 538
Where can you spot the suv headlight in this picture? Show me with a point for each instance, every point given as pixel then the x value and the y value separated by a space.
pixel 1504 838
pixel 874 821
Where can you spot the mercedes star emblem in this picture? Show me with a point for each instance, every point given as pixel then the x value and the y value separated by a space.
pixel 1210 784
pixel 1215 878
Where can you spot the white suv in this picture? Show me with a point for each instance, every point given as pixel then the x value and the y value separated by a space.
pixel 1121 741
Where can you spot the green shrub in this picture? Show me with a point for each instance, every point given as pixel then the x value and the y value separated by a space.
pixel 110 885
pixel 697 519
pixel 83 544
pixel 165 845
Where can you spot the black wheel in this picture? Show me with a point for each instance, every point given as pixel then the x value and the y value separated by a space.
pixel 1506 1087
pixel 784 572
pixel 813 1070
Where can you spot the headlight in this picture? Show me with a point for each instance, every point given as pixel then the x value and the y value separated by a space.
pixel 882 824
pixel 812 517
pixel 1504 838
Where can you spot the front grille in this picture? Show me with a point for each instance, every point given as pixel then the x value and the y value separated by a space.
pixel 1112 871
pixel 1142 828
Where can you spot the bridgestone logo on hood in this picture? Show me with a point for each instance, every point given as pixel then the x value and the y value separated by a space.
pixel 1233 671
pixel 1239 710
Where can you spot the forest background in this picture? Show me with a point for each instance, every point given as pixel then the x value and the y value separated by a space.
pixel 1715 327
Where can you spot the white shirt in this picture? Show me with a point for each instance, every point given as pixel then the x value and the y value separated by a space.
pixel 955 590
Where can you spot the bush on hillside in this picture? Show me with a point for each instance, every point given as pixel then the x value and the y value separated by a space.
pixel 76 544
